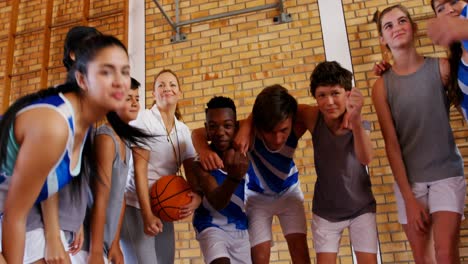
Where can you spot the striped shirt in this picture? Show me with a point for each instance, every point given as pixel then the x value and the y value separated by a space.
pixel 230 218
pixel 61 173
pixel 272 172
pixel 463 71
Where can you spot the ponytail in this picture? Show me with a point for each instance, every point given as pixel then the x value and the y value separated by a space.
pixel 125 131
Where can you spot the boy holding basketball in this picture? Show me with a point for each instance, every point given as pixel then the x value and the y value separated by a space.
pixel 220 221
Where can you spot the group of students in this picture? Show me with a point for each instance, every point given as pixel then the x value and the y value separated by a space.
pixel 244 173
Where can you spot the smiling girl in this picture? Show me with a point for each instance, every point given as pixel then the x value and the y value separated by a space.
pixel 43 135
pixel 145 238
pixel 412 107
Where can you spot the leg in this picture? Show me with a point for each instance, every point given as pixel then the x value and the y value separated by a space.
pixel 419 243
pixel 164 244
pixel 221 261
pixel 214 245
pixel 239 248
pixel 326 236
pixel 259 210
pixel 261 253
pixel 297 245
pixel 363 234
pixel 446 202
pixel 446 226
pixel 366 258
pixel 290 211
pixel 326 258
pixel 137 247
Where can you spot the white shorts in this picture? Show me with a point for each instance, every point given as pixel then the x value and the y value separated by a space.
pixel 288 207
pixel 34 247
pixel 82 258
pixel 216 243
pixel 362 232
pixel 442 195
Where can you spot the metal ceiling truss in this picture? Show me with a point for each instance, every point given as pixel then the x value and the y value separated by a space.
pixel 283 17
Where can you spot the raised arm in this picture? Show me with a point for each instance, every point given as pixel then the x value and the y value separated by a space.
pixel 208 158
pixel 105 154
pixel 416 213
pixel 220 195
pixel 244 135
pixel 153 224
pixel 306 118
pixel 42 142
pixel 362 142
pixel 445 30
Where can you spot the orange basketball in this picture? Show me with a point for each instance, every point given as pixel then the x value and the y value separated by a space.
pixel 167 195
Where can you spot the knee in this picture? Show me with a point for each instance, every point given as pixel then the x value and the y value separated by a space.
pixel 446 253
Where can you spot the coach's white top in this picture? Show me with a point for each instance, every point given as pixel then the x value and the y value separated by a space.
pixel 163 150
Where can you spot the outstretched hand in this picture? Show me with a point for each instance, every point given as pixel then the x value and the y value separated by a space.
pixel 445 30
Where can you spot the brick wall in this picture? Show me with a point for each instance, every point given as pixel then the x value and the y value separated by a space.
pixel 365 50
pixel 236 57
pixel 239 55
pixel 29 43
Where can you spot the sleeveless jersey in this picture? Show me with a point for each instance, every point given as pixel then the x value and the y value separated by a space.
pixel 272 172
pixel 61 173
pixel 419 107
pixel 343 188
pixel 230 218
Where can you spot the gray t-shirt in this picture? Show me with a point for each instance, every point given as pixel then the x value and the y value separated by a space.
pixel 343 188
pixel 419 107
pixel 116 195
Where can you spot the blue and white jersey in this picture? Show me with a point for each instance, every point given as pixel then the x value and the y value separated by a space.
pixel 61 174
pixel 464 15
pixel 463 83
pixel 272 172
pixel 230 218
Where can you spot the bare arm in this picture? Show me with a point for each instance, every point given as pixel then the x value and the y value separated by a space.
pixel 415 212
pixel 153 224
pixel 46 143
pixel 208 158
pixel 115 253
pixel 362 142
pixel 105 154
pixel 244 135
pixel 220 195
pixel 188 209
pixel 55 252
pixel 306 118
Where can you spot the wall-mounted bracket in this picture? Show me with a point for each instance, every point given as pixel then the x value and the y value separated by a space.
pixel 176 26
